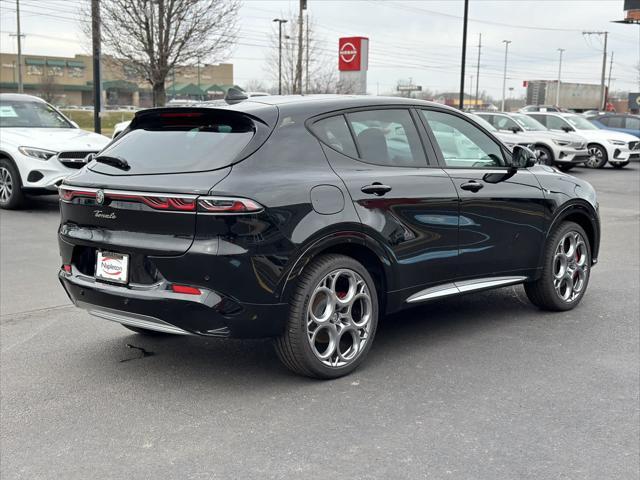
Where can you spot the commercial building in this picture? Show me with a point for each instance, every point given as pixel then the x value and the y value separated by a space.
pixel 68 81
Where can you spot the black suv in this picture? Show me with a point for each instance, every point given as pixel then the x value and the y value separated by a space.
pixel 307 218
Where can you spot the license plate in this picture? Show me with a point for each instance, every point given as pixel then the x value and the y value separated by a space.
pixel 113 267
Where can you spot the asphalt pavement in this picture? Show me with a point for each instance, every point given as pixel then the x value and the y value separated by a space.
pixel 483 386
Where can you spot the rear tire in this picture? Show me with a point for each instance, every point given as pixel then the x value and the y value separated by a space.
pixel 332 320
pixel 566 270
pixel 599 155
pixel 11 196
pixel 149 333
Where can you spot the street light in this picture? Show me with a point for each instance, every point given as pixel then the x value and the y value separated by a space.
pixel 504 77
pixel 280 22
pixel 561 50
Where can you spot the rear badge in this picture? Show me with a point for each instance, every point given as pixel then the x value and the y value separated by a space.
pixel 100 197
pixel 101 214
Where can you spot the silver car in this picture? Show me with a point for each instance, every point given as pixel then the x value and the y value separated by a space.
pixel 564 150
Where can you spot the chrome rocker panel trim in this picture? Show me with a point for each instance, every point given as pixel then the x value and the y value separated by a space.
pixel 465 286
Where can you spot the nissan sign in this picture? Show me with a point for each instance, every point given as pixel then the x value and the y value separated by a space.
pixel 352 54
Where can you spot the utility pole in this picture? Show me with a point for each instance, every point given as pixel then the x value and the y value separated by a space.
pixel 280 22
pixel 561 50
pixel 19 36
pixel 504 76
pixel 298 87
pixel 464 52
pixel 478 67
pixel 603 95
pixel 95 36
pixel 609 81
pixel 306 76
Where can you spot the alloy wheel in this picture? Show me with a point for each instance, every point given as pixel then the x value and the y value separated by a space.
pixel 570 266
pixel 6 185
pixel 596 156
pixel 339 318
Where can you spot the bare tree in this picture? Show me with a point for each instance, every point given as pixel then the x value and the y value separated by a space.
pixel 49 88
pixel 155 36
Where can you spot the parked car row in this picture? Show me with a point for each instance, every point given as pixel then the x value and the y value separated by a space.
pixel 567 139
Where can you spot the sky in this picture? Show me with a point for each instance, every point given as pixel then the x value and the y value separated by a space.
pixel 409 39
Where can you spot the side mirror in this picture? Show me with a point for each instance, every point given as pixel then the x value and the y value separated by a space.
pixel 516 129
pixel 567 129
pixel 523 157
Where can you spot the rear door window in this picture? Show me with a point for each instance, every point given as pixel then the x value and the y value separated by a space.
pixel 387 137
pixel 334 132
pixel 175 142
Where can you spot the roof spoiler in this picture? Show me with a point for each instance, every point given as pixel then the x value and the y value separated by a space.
pixel 235 95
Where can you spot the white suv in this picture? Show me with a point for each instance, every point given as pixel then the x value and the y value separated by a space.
pixel 39 147
pixel 603 145
pixel 564 150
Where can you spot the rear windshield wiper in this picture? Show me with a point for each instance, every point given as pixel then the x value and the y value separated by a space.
pixel 116 162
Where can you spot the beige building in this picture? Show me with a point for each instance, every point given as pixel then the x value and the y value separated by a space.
pixel 68 81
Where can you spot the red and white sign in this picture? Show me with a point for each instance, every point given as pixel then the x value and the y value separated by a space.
pixel 350 54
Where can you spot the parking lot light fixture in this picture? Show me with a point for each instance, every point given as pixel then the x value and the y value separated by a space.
pixel 504 77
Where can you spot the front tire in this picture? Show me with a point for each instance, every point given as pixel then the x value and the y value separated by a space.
pixel 332 319
pixel 566 270
pixel 11 196
pixel 545 155
pixel 598 156
pixel 619 164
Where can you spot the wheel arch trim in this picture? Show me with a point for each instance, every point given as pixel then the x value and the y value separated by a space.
pixel 586 211
pixel 357 239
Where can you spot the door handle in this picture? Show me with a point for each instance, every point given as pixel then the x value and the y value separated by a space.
pixel 472 186
pixel 376 188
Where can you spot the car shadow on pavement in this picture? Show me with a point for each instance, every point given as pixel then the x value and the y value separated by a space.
pixel 250 364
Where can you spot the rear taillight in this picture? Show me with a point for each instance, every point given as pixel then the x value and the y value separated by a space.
pixel 182 204
pixel 66 268
pixel 68 194
pixel 228 205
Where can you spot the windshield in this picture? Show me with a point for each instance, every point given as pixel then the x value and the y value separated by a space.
pixel 30 115
pixel 189 141
pixel 580 123
pixel 528 123
pixel 484 123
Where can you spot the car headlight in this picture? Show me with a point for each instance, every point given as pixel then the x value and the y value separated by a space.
pixel 616 142
pixel 39 153
pixel 562 143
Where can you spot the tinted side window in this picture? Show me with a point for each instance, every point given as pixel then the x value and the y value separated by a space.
pixel 387 137
pixel 541 118
pixel 604 120
pixel 556 123
pixel 462 143
pixel 633 123
pixel 615 122
pixel 334 132
pixel 505 123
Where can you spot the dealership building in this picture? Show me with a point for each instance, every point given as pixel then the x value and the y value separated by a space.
pixel 68 81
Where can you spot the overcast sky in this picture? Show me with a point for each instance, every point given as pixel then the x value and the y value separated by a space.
pixel 408 39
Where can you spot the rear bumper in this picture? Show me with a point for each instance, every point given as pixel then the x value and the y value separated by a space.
pixel 156 307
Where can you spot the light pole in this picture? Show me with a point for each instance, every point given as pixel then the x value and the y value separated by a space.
pixel 504 76
pixel 464 54
pixel 280 22
pixel 561 50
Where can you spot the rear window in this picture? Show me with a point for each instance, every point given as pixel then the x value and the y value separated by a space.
pixel 182 141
